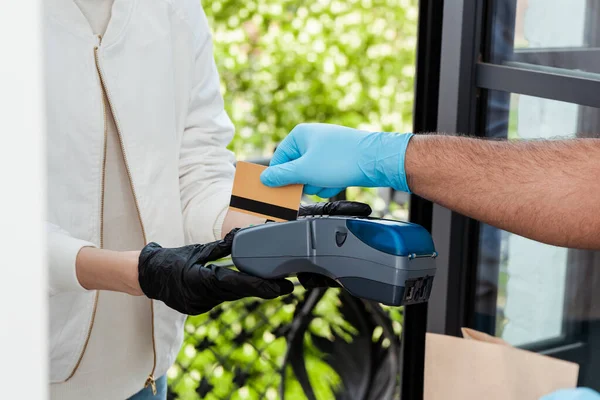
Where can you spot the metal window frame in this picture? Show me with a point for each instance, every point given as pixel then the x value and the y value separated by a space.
pixel 456 236
pixel 429 44
pixel 467 71
pixel 463 73
pixel 565 58
pixel 540 81
pixel 456 69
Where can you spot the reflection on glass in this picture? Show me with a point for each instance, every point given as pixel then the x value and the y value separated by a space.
pixel 529 293
pixel 559 33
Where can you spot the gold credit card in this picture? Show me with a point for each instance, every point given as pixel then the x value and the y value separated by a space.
pixel 250 196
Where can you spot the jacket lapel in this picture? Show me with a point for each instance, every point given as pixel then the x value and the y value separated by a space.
pixel 68 14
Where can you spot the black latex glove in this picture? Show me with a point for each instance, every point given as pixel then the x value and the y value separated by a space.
pixel 179 277
pixel 339 208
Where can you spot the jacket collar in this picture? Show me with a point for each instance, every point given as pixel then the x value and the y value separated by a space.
pixel 68 14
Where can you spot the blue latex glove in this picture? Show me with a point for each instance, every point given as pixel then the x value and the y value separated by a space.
pixel 328 158
pixel 573 394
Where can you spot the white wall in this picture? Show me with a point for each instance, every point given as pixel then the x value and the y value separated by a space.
pixel 22 278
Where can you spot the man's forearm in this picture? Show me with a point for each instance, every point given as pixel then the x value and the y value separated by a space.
pixel 544 190
pixel 109 270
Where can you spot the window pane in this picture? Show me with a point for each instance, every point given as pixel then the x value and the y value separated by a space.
pixel 559 34
pixel 530 293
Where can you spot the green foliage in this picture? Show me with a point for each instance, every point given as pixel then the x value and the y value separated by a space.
pixel 260 352
pixel 284 62
pixel 231 338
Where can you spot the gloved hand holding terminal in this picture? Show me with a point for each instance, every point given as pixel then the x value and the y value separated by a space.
pixel 181 278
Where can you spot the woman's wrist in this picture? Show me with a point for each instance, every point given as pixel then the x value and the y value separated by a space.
pixel 131 273
pixel 235 219
pixel 109 270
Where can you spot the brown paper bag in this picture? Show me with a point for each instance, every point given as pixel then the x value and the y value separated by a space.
pixel 485 367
